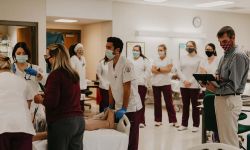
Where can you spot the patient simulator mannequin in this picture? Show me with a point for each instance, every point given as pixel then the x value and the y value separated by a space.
pixel 101 121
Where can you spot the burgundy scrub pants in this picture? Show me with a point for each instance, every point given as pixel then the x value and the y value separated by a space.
pixel 190 95
pixel 134 118
pixel 15 141
pixel 167 94
pixel 142 92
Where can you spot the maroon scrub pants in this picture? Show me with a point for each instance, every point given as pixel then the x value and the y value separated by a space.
pixel 15 141
pixel 190 95
pixel 167 94
pixel 134 118
pixel 142 92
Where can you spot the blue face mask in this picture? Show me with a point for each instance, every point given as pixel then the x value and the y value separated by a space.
pixel 21 58
pixel 109 54
pixel 136 54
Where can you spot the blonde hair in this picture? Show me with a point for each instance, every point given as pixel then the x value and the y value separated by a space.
pixel 62 60
pixel 5 63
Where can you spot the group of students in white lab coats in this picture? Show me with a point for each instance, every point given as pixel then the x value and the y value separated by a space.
pixel 123 83
pixel 159 74
pixel 22 82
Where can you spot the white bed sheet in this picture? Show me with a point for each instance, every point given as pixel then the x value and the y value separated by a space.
pixel 103 139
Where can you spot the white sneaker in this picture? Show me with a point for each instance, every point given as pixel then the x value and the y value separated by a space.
pixel 195 129
pixel 175 125
pixel 158 124
pixel 182 128
pixel 142 125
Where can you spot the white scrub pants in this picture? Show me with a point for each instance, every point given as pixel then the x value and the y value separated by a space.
pixel 228 109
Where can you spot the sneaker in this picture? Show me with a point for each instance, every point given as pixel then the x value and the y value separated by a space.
pixel 158 124
pixel 182 128
pixel 195 129
pixel 142 125
pixel 175 124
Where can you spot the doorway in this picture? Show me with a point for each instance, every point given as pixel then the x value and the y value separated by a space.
pixel 12 32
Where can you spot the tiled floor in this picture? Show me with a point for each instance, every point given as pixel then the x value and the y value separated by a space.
pixel 166 137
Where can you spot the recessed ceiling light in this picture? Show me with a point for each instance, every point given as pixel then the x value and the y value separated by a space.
pixel 215 4
pixel 155 1
pixel 66 20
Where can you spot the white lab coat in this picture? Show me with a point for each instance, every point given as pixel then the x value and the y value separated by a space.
pixel 122 73
pixel 142 70
pixel 102 73
pixel 14 113
pixel 34 90
pixel 80 67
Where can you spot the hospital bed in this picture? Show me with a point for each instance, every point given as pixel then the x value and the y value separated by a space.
pixel 102 139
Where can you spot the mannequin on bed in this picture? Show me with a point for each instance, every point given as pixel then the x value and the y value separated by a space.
pixel 101 121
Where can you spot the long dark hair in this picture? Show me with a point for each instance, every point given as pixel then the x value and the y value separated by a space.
pixel 62 60
pixel 24 46
pixel 143 56
pixel 72 50
pixel 106 60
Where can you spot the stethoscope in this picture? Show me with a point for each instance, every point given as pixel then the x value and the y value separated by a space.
pixel 27 76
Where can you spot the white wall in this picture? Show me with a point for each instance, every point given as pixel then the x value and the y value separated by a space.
pixel 94 40
pixel 28 10
pixel 88 9
pixel 128 18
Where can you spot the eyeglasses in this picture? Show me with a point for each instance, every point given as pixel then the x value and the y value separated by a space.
pixel 46 56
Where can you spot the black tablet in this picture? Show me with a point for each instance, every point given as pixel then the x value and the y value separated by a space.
pixel 205 78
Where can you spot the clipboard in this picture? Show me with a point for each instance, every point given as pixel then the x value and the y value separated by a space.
pixel 205 78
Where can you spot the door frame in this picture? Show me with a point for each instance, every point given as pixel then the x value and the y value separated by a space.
pixel 34 36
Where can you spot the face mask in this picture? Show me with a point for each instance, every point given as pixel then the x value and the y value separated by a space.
pixel 21 58
pixel 80 52
pixel 49 67
pixel 162 53
pixel 227 46
pixel 190 50
pixel 209 53
pixel 136 54
pixel 109 54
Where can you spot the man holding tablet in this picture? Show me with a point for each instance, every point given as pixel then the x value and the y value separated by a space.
pixel 232 75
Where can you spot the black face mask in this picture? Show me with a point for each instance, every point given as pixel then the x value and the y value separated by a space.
pixel 49 67
pixel 209 53
pixel 190 50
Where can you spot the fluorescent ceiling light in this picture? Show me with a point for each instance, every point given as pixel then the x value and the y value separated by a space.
pixel 66 20
pixel 155 1
pixel 215 4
